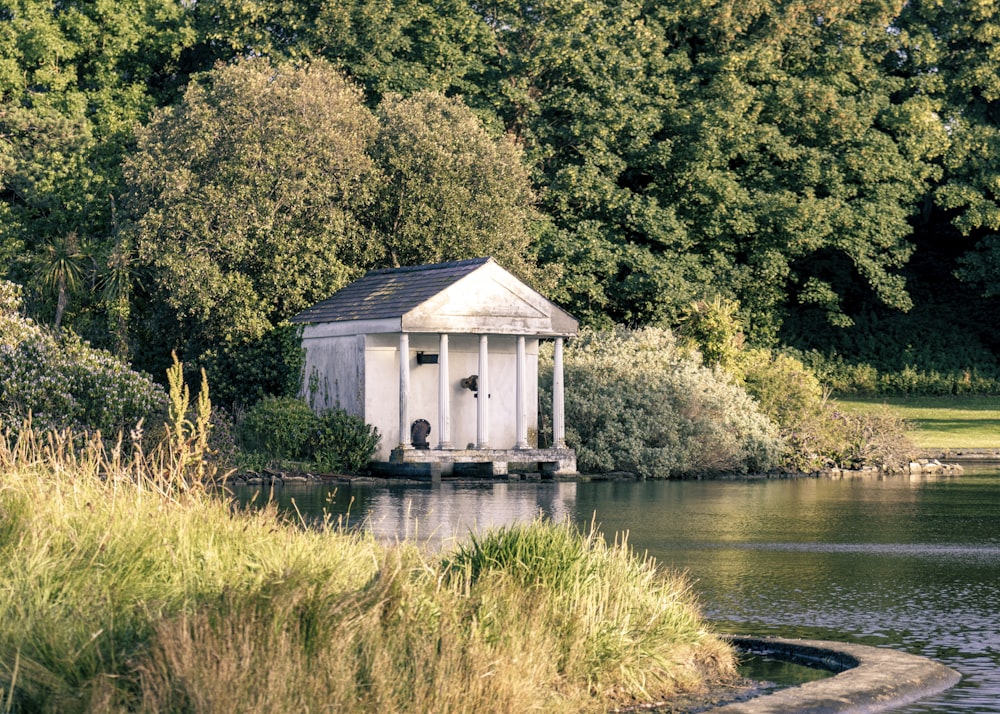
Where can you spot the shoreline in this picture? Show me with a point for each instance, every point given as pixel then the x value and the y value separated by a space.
pixel 924 465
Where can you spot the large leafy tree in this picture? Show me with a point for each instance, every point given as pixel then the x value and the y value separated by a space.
pixel 270 186
pixel 801 166
pixel 386 45
pixel 451 189
pixel 246 199
pixel 949 54
pixel 753 150
pixel 74 78
pixel 590 87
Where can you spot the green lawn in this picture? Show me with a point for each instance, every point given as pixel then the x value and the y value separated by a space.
pixel 947 422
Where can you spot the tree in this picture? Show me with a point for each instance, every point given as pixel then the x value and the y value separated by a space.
pixel 245 199
pixel 450 190
pixel 244 196
pixel 61 270
pixel 386 46
pixel 948 53
pixel 75 76
pixel 270 186
pixel 756 151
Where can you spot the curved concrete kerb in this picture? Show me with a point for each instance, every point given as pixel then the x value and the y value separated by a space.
pixel 870 679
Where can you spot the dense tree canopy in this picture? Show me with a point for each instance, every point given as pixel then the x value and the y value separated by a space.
pixel 826 165
pixel 450 189
pixel 270 186
pixel 74 78
pixel 246 196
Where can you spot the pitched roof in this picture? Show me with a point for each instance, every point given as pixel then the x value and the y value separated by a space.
pixel 389 293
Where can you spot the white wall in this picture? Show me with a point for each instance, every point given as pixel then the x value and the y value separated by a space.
pixel 381 388
pixel 360 374
pixel 335 366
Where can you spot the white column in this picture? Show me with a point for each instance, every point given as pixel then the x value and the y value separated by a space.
pixel 404 391
pixel 444 395
pixel 482 408
pixel 521 418
pixel 558 404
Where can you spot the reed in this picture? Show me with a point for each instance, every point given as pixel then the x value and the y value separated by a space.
pixel 128 587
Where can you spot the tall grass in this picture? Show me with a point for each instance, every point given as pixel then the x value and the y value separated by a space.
pixel 126 587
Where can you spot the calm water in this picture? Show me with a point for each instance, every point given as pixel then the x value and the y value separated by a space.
pixel 911 563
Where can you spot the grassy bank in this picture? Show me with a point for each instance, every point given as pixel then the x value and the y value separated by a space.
pixel 126 588
pixel 954 422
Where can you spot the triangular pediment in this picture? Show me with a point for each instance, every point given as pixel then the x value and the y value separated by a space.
pixel 488 300
pixel 471 296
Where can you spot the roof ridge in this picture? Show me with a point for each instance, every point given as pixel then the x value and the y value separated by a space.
pixel 432 266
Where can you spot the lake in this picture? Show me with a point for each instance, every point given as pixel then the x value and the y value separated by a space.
pixel 908 562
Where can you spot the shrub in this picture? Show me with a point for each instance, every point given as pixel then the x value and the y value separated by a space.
pixel 784 388
pixel 222 442
pixel 713 328
pixel 343 442
pixel 816 435
pixel 281 427
pixel 287 428
pixel 242 373
pixel 64 383
pixel 639 403
pixel 844 377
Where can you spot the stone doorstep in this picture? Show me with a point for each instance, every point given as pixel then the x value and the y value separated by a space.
pixel 873 678
pixel 485 462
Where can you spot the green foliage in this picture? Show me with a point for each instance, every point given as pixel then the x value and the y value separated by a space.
pixel 223 444
pixel 451 189
pixel 62 382
pixel 815 433
pixel 246 195
pixel 713 328
pixel 61 270
pixel 799 159
pixel 875 439
pixel 849 377
pixel 948 54
pixel 244 373
pixel 639 403
pixel 281 427
pixel 270 186
pixel 122 596
pixel 785 389
pixel 74 80
pixel 286 428
pixel 343 443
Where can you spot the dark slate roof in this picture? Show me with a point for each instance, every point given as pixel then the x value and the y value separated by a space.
pixel 382 294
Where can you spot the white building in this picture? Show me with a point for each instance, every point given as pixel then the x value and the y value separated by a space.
pixel 466 390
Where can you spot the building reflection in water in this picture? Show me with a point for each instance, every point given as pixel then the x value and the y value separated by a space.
pixel 439 515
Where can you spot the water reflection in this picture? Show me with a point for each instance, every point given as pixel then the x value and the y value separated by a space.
pixel 909 563
pixel 436 515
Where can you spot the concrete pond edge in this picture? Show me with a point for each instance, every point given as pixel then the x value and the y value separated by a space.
pixel 868 679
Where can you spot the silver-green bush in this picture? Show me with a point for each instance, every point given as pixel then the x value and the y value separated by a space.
pixel 637 402
pixel 60 381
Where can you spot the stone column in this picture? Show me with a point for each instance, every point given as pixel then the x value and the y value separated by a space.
pixel 444 395
pixel 404 391
pixel 483 407
pixel 521 401
pixel 558 403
